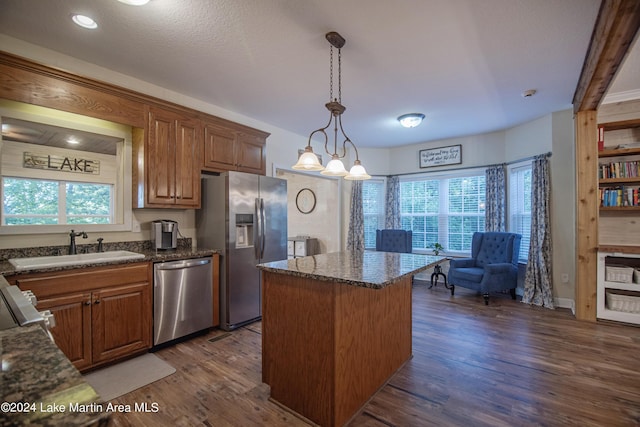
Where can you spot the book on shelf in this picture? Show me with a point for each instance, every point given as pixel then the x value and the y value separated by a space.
pixel 619 196
pixel 613 170
pixel 600 137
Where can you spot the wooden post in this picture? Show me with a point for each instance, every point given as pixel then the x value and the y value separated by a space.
pixel 586 214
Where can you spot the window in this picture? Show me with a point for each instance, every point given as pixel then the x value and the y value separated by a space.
pixel 39 202
pixel 443 209
pixel 419 209
pixel 59 169
pixel 373 206
pixel 520 206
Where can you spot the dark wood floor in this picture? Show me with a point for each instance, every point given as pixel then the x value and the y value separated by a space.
pixel 506 364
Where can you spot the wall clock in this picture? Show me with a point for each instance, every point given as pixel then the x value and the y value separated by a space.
pixel 306 200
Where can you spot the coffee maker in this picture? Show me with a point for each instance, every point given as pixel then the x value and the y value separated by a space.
pixel 164 234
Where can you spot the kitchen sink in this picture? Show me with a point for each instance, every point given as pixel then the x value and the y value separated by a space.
pixel 79 259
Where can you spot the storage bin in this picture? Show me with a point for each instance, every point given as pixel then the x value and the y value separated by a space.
pixel 625 303
pixel 621 274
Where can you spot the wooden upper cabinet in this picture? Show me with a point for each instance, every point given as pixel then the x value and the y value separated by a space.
pixel 167 170
pixel 251 153
pixel 219 148
pixel 168 149
pixel 188 162
pixel 232 147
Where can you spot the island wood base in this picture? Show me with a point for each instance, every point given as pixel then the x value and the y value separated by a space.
pixel 327 347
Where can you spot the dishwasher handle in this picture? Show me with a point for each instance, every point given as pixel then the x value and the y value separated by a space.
pixel 177 265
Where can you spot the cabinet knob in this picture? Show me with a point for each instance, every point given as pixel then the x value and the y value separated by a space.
pixel 97 301
pixel 87 303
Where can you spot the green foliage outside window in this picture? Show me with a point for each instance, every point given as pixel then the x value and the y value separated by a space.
pixel 41 202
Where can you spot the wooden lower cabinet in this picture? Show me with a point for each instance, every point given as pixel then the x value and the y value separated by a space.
pixel 72 333
pixel 102 314
pixel 120 321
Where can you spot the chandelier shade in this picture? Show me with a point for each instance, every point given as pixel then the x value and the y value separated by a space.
pixel 308 160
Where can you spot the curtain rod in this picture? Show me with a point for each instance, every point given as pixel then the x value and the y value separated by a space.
pixel 470 167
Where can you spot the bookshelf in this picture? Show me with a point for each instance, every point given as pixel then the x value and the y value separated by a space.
pixel 619 166
pixel 618 294
pixel 618 299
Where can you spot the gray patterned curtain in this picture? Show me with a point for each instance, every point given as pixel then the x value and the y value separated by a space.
pixel 355 238
pixel 392 211
pixel 537 282
pixel 495 198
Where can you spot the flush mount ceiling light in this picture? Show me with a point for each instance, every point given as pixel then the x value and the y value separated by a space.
pixel 84 21
pixel 134 2
pixel 308 161
pixel 411 120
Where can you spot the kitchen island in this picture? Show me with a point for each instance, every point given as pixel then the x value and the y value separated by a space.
pixel 335 328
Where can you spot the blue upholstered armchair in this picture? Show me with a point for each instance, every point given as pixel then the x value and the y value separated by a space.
pixel 493 265
pixel 394 241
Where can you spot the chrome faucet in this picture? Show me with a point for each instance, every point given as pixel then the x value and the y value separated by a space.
pixel 100 247
pixel 72 245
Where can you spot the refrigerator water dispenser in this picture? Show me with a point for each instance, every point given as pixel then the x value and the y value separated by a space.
pixel 244 230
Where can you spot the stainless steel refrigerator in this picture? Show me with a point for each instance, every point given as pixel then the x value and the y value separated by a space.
pixel 244 215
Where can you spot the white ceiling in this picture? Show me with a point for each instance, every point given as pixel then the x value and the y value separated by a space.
pixel 463 63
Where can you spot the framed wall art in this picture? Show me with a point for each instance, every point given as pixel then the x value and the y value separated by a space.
pixel 451 155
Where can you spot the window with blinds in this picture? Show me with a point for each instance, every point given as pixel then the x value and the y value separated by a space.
pixel 520 206
pixel 446 210
pixel 373 207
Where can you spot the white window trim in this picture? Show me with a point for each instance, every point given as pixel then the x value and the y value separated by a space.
pixel 440 175
pixel 123 192
pixel 511 168
pixel 381 215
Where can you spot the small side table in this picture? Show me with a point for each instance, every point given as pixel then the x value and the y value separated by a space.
pixel 437 272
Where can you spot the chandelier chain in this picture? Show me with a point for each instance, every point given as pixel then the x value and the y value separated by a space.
pixel 331 74
pixel 340 76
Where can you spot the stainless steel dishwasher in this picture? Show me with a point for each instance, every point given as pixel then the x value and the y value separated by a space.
pixel 182 298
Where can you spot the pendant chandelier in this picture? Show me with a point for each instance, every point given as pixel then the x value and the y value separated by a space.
pixel 308 161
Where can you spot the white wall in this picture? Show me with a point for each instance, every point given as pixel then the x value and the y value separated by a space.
pixel 477 150
pixel 529 139
pixel 563 206
pixel 554 133
pixel 323 222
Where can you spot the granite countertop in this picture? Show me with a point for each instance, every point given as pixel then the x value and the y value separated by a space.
pixel 368 269
pixel 40 386
pixel 7 269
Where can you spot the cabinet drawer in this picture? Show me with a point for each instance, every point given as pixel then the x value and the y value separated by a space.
pixel 78 280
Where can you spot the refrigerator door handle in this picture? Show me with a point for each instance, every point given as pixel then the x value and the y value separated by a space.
pixel 262 230
pixel 259 232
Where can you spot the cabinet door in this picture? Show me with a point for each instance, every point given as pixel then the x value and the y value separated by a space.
pixel 121 318
pixel 72 333
pixel 160 169
pixel 188 163
pixel 219 148
pixel 251 155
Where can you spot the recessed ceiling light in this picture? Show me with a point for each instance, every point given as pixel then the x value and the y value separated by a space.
pixel 84 21
pixel 411 120
pixel 134 2
pixel 529 93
